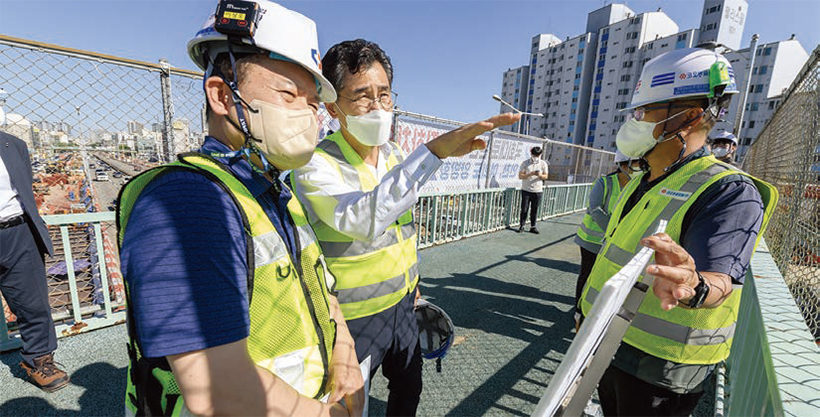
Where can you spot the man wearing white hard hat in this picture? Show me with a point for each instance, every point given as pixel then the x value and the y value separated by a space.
pixel 359 190
pixel 602 199
pixel 716 214
pixel 230 305
pixel 724 145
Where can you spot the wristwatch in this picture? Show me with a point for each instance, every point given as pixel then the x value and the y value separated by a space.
pixel 701 292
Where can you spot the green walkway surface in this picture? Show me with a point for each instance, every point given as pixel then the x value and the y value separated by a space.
pixel 510 296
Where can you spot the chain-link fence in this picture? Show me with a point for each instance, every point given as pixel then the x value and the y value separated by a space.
pixel 787 154
pixel 60 98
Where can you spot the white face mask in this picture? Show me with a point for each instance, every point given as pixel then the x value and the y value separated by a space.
pixel 720 152
pixel 371 129
pixel 635 138
pixel 285 137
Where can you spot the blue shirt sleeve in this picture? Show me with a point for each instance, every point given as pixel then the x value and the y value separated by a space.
pixel 184 259
pixel 723 227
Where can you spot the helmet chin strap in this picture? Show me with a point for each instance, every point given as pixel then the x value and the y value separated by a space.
pixel 248 147
pixel 680 137
pixel 680 154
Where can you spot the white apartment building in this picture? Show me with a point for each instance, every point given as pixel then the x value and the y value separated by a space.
pixel 623 48
pixel 722 22
pixel 580 84
pixel 514 91
pixel 776 65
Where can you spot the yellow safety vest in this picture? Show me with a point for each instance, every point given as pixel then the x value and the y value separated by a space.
pixel 591 233
pixel 371 276
pixel 692 336
pixel 291 330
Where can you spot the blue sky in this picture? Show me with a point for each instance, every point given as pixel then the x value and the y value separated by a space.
pixel 449 56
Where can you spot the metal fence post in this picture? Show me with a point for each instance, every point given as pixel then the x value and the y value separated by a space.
pixel 204 118
pixel 508 203
pixel 167 111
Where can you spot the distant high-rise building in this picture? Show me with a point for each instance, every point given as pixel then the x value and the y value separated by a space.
pixel 582 83
pixel 514 91
pixel 722 22
pixel 135 127
pixel 776 65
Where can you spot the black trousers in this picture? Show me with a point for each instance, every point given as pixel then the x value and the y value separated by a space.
pixel 391 339
pixel 531 201
pixel 622 394
pixel 587 261
pixel 24 286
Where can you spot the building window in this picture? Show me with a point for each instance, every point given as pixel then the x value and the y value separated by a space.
pixel 627 64
pixel 751 124
pixel 763 69
pixel 626 77
pixel 682 37
pixel 754 107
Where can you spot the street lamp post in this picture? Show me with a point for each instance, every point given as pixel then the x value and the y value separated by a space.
pixel 523 113
pixel 742 104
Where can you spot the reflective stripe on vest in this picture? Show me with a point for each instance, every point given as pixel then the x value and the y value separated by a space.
pixel 373 275
pixel 291 330
pixel 590 230
pixel 693 336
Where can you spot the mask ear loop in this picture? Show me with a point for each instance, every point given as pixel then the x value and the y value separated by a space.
pixel 679 136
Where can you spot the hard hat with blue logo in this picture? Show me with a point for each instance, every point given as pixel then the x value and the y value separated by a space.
pixel 688 73
pixel 284 34
pixel 436 331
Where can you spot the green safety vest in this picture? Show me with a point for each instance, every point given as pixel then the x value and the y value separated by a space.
pixel 291 329
pixel 591 232
pixel 371 276
pixel 691 336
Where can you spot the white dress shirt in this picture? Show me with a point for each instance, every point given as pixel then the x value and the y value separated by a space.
pixel 358 214
pixel 9 204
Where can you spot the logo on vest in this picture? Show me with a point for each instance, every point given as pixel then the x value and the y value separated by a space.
pixel 677 195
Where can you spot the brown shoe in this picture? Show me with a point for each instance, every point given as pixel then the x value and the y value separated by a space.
pixel 45 374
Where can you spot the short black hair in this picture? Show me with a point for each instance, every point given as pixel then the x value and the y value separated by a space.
pixel 350 57
pixel 536 151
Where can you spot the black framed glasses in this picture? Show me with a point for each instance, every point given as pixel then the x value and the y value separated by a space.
pixel 364 103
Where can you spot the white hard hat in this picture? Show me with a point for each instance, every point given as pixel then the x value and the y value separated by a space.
pixel 620 157
pixel 278 30
pixel 436 331
pixel 724 135
pixel 684 73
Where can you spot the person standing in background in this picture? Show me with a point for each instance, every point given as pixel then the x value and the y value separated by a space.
pixel 602 201
pixel 532 173
pixel 24 243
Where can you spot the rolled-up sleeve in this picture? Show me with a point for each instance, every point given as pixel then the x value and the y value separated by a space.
pixel 359 214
